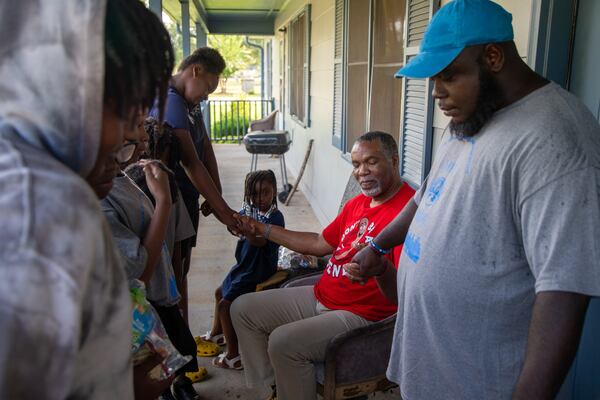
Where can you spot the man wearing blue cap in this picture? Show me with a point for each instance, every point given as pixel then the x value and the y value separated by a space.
pixel 502 242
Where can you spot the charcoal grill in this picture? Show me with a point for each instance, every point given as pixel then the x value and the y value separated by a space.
pixel 270 142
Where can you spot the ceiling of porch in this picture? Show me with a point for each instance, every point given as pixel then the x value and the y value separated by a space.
pixel 247 17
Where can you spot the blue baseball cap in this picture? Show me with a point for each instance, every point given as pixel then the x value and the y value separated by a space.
pixel 458 24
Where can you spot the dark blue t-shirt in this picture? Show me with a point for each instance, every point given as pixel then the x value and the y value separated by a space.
pixel 178 116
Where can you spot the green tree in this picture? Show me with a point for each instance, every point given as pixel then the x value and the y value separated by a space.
pixel 237 55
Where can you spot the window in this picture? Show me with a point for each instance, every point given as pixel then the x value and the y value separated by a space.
pixel 369 44
pixel 299 60
pixel 388 57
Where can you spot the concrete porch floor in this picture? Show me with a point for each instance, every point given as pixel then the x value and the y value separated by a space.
pixel 214 256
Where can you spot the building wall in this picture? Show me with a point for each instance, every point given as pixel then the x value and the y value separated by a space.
pixel 326 172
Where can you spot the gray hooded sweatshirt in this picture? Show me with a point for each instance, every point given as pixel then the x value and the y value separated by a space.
pixel 64 306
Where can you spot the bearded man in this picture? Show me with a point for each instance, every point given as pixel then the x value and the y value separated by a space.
pixel 501 244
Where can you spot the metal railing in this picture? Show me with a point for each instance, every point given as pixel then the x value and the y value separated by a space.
pixel 227 120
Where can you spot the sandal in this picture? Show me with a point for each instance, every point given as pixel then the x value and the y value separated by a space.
pixel 221 361
pixel 206 349
pixel 209 337
pixel 197 376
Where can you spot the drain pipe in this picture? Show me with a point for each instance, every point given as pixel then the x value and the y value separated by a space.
pixel 262 65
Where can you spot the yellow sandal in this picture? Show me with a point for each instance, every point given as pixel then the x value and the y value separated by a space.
pixel 206 349
pixel 197 376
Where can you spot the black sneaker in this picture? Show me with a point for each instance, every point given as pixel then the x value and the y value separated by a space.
pixel 184 390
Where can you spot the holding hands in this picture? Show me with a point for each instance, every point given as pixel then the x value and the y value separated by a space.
pixel 365 264
pixel 249 227
pixel 229 219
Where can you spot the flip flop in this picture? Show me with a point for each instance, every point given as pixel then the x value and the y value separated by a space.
pixel 209 337
pixel 197 376
pixel 206 349
pixel 221 361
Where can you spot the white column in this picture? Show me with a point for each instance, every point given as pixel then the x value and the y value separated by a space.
pixel 156 7
pixel 185 26
pixel 200 36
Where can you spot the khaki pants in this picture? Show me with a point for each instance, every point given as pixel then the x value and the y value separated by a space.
pixel 282 333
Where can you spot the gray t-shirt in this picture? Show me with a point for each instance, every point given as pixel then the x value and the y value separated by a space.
pixel 129 212
pixel 180 225
pixel 506 214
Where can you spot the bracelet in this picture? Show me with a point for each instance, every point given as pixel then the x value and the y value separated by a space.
pixel 267 231
pixel 378 249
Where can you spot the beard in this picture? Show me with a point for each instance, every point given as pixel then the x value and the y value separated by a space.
pixel 372 192
pixel 488 100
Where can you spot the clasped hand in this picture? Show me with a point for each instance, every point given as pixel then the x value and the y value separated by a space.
pixel 365 264
pixel 247 226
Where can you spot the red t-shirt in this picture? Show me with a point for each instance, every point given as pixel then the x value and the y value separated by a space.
pixel 358 223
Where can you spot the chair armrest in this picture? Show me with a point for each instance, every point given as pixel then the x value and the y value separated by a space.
pixel 304 280
pixel 360 354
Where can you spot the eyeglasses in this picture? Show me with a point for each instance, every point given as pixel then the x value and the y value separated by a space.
pixel 126 151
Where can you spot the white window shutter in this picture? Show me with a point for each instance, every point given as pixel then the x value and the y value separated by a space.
pixel 338 76
pixel 417 110
pixel 306 75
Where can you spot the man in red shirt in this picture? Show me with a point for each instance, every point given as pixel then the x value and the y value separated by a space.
pixel 284 332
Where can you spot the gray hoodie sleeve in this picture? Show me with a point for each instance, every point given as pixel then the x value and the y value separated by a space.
pixel 132 250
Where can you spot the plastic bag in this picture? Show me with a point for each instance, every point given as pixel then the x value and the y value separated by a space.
pixel 289 259
pixel 149 336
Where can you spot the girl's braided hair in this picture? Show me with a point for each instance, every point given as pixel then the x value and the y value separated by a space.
pixel 161 141
pixel 266 176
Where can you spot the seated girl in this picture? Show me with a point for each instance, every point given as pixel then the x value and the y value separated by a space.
pixel 256 261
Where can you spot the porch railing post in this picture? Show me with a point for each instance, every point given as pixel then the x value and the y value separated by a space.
pixel 237 120
pixel 244 117
pixel 221 120
pixel 206 118
pixel 227 122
